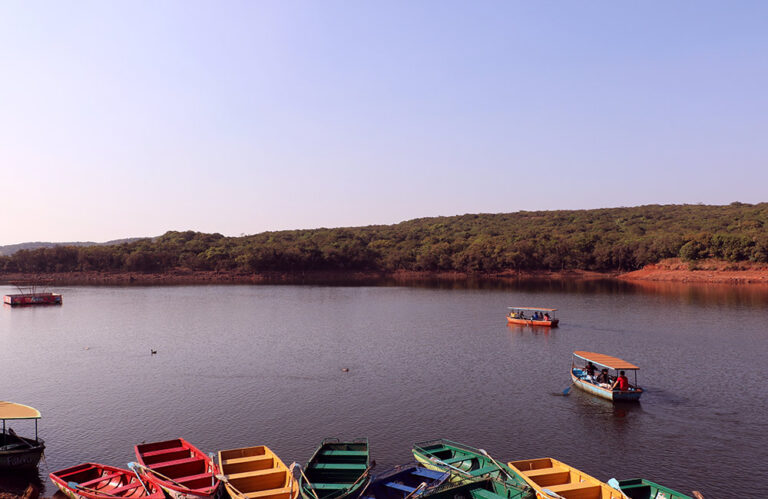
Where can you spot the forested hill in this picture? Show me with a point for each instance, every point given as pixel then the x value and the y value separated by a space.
pixel 602 240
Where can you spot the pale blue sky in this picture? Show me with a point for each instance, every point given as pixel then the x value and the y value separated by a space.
pixel 132 118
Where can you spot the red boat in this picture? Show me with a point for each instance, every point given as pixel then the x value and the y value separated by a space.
pixel 179 468
pixel 32 299
pixel 97 481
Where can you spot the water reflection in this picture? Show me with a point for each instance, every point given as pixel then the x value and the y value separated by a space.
pixel 16 482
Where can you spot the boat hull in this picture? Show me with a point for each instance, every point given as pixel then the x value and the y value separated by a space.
pixel 639 488
pixel 20 453
pixel 529 322
pixel 612 395
pixel 180 469
pixel 256 470
pixel 549 476
pixel 102 482
pixel 33 299
pixel 336 470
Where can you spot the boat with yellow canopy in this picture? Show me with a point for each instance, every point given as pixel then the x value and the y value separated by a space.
pixel 531 316
pixel 17 452
pixel 584 376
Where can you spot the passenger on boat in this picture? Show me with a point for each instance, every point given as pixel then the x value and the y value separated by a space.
pixel 603 377
pixel 522 314
pixel 590 370
pixel 535 316
pixel 546 316
pixel 621 381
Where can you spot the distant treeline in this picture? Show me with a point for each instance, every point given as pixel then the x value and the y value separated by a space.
pixel 615 239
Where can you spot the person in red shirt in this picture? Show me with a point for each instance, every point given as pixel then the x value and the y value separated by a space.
pixel 621 381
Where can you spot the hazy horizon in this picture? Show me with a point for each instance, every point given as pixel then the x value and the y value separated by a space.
pixel 128 119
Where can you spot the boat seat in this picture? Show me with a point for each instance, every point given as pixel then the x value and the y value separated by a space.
pixel 255 473
pixel 568 487
pixel 102 478
pixel 458 459
pixel 130 486
pixel 345 453
pixel 427 473
pixel 400 486
pixel 330 486
pixel 160 452
pixel 246 459
pixel 268 492
pixel 484 470
pixel 163 464
pixel 191 478
pixel 544 471
pixel 339 466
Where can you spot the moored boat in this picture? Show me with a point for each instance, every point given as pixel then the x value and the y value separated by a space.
pixel 98 481
pixel 32 292
pixel 336 470
pixel 256 472
pixel 467 463
pixel 404 481
pixel 639 488
pixel 552 478
pixel 182 470
pixel 537 316
pixel 583 380
pixel 17 452
pixel 480 488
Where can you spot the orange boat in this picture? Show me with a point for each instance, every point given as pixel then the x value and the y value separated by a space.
pixel 535 316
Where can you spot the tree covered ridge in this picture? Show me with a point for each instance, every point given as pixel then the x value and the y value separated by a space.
pixel 611 239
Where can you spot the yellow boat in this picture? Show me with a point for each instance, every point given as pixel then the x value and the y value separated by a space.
pixel 552 479
pixel 256 472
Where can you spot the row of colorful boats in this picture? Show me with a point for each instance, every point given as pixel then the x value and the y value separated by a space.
pixel 341 470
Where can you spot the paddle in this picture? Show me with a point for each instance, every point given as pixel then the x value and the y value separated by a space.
pixel 167 479
pixel 311 487
pixel 615 484
pixel 139 477
pixel 697 494
pixel 442 463
pixel 420 488
pixel 485 453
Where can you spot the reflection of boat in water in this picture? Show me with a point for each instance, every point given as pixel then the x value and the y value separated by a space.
pixel 584 381
pixel 638 488
pixel 98 481
pixel 538 316
pixel 551 478
pixel 17 452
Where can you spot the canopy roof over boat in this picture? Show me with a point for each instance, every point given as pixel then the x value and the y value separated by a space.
pixel 9 410
pixel 534 308
pixel 606 361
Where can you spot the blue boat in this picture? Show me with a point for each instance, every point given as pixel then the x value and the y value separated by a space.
pixel 404 481
pixel 583 380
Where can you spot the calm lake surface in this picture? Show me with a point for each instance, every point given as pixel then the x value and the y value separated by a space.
pixel 248 365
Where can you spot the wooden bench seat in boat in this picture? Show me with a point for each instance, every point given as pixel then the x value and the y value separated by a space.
pixel 582 490
pixel 543 471
pixel 330 486
pixel 400 486
pixel 191 478
pixel 484 470
pixel 170 454
pixel 102 478
pixel 339 466
pixel 457 459
pixel 427 473
pixel 124 488
pixel 175 462
pixel 343 453
pixel 256 473
pixel 247 459
pixel 269 493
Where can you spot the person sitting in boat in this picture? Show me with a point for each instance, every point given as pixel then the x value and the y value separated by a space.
pixel 621 381
pixel 546 316
pixel 535 316
pixel 590 370
pixel 513 315
pixel 522 315
pixel 603 378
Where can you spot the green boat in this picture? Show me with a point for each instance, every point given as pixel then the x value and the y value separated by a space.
pixel 336 470
pixel 639 488
pixel 469 464
pixel 478 488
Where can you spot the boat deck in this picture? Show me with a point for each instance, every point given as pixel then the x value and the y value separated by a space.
pixel 550 475
pixel 256 472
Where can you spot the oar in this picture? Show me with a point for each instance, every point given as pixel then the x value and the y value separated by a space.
pixel 213 469
pixel 75 485
pixel 162 476
pixel 485 453
pixel 697 494
pixel 132 468
pixel 442 463
pixel 421 487
pixel 311 487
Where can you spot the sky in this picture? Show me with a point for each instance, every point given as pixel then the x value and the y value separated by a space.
pixel 132 118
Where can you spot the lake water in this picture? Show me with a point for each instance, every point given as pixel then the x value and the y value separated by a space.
pixel 248 365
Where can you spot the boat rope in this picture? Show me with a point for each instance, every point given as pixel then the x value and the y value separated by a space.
pixel 139 478
pixel 157 473
pixel 75 485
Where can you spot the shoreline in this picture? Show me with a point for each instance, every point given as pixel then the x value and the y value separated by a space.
pixel 672 270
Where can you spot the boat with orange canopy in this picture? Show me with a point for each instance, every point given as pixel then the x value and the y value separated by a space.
pixel 536 316
pixel 584 381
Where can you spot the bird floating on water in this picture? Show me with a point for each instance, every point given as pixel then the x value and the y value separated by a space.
pixel 152 351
